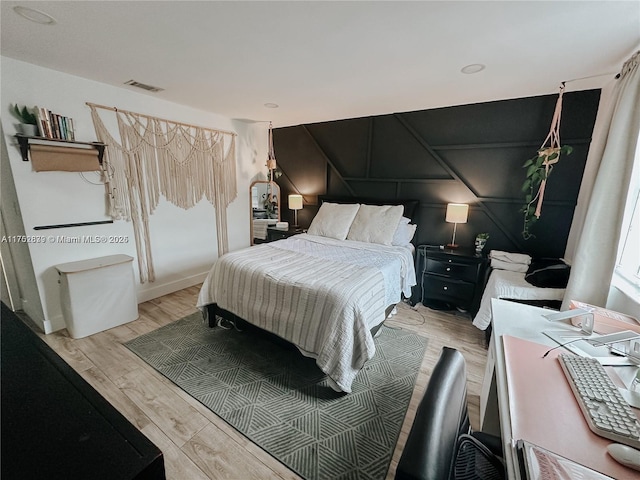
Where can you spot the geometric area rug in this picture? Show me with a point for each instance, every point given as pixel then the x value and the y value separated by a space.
pixel 281 400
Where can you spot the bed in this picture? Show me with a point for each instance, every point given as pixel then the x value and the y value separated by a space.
pixel 326 291
pixel 511 285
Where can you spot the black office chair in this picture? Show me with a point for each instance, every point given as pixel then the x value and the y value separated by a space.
pixel 441 445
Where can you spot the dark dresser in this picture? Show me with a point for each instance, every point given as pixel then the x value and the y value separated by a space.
pixel 57 426
pixel 449 278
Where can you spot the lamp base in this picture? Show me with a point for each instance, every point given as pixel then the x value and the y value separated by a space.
pixel 452 245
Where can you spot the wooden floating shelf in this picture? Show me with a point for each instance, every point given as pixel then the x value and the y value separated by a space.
pixel 23 140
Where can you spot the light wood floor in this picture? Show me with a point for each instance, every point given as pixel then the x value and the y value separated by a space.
pixel 196 443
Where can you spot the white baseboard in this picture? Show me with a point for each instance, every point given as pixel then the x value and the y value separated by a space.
pixel 55 323
pixel 35 315
pixel 153 291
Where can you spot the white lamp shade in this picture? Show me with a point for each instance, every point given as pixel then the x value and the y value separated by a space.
pixel 457 213
pixel 295 202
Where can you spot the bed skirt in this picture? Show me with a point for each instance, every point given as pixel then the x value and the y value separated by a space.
pixel 213 313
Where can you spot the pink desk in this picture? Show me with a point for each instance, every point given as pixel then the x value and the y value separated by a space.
pixel 544 411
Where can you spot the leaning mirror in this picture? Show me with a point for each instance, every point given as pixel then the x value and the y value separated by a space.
pixel 265 208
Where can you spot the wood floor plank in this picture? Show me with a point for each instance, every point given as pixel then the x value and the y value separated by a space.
pixel 68 349
pixel 178 465
pixel 222 458
pixel 178 303
pixel 116 397
pixel 143 324
pixel 162 405
pixel 157 315
pixel 107 354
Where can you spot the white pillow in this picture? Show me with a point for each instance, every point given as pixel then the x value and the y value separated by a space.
pixel 404 234
pixel 375 224
pixel 404 221
pixel 333 220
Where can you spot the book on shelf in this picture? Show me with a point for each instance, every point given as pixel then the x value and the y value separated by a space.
pixel 43 122
pixel 56 126
pixel 71 129
pixel 61 128
pixel 53 125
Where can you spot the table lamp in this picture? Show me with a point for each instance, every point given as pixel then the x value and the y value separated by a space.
pixel 456 213
pixel 295 204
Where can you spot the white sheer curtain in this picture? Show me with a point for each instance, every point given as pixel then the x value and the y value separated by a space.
pixel 598 218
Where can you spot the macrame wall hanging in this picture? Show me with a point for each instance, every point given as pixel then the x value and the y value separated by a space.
pixel 154 157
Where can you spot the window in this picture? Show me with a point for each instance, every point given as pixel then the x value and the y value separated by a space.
pixel 628 263
pixel 255 198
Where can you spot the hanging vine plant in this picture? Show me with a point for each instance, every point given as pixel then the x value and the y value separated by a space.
pixel 539 168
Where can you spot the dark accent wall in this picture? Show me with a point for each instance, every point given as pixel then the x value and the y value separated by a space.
pixel 465 154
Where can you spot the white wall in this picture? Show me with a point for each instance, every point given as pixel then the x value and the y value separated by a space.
pixel 183 242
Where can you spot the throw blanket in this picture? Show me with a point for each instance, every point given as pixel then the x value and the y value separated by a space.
pixel 510 257
pixel 508 284
pixel 325 305
pixel 514 262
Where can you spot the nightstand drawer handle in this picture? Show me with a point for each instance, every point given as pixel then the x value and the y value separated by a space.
pixel 445 288
pixel 448 269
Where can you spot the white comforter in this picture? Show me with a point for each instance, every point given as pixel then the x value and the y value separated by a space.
pixel 321 294
pixel 508 284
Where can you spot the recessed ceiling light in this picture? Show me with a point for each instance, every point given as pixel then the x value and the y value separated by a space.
pixel 271 105
pixel 473 68
pixel 34 15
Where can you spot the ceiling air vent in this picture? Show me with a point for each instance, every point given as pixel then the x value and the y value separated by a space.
pixel 149 88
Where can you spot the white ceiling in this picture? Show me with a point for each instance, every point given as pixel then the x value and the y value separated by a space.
pixel 328 60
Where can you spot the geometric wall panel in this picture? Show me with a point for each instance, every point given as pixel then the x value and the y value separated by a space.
pixel 467 153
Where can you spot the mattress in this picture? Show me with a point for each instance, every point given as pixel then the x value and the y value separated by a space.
pixel 508 284
pixel 321 294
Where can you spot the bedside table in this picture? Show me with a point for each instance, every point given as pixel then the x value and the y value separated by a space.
pixel 274 234
pixel 450 278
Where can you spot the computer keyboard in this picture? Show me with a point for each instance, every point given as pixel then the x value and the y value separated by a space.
pixel 602 405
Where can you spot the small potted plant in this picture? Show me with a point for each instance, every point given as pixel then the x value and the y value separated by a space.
pixel 481 241
pixel 28 121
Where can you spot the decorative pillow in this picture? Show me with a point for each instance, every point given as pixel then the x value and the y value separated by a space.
pixel 333 220
pixel 404 234
pixel 375 224
pixel 548 273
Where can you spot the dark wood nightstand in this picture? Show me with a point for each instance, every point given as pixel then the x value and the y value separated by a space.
pixel 450 278
pixel 274 234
